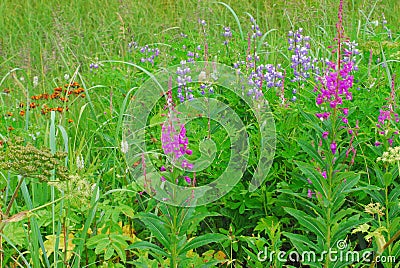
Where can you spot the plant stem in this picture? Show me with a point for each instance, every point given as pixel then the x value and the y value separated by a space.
pixel 14 196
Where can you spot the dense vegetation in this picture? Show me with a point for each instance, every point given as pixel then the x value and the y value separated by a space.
pixel 199 133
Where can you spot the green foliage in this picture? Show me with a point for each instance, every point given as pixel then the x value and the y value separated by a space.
pixel 69 196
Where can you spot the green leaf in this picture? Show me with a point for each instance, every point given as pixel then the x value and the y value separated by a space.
pixel 307 222
pixel 387 178
pixel 318 182
pixel 126 210
pixel 307 147
pixel 301 242
pixel 144 245
pixel 156 227
pixel 109 253
pixel 120 251
pixel 202 241
pixel 101 246
pixel 339 231
pixel 94 240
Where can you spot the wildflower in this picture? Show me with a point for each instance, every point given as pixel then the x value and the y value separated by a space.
pixel 188 180
pixel 163 168
pixel 302 64
pixel 323 116
pixel 35 81
pixel 80 163
pixel 325 134
pixel 255 28
pixel 375 208
pixel 124 146
pixel 333 147
pixel 309 193
pixel 163 179
pixel 183 79
pixel 391 156
pixel 324 174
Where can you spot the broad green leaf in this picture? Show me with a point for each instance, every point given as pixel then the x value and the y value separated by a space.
pixel 144 245
pixel 120 251
pixel 307 222
pixel 339 231
pixel 102 246
pixel 312 152
pixel 318 182
pixel 305 201
pixel 301 242
pixel 202 241
pixel 156 227
pixel 109 253
pixel 94 240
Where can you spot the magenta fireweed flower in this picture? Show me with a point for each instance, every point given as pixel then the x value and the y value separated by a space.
pixel 335 86
pixel 309 193
pixel 324 174
pixel 325 134
pixel 163 168
pixel 188 180
pixel 323 116
pixel 333 147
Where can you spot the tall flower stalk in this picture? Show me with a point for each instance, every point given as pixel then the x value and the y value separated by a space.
pixel 328 178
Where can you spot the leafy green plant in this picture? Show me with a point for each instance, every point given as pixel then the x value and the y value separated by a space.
pixel 171 229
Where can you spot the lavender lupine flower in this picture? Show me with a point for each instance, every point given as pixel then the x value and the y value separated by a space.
pixel 255 29
pixel 350 53
pixel 192 55
pixel 302 63
pixel 183 79
pixel 149 54
pixel 267 75
pixel 132 45
pixel 384 23
pixel 227 34
pixel 93 66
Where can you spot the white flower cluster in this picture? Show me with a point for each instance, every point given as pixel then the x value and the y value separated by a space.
pixel 391 156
